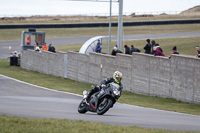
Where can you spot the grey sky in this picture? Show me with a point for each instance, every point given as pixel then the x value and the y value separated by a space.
pixel 62 7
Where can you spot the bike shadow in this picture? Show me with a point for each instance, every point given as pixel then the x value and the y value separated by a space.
pixel 104 115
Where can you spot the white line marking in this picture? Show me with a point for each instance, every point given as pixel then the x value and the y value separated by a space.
pixel 39 86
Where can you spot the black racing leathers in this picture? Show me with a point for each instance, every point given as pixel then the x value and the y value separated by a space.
pixel 106 81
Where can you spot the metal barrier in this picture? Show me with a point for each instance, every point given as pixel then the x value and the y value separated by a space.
pixel 114 24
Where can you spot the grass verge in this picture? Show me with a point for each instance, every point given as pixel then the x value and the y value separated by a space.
pixel 68 85
pixel 9 124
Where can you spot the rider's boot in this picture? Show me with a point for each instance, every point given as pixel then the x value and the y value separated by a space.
pixel 92 91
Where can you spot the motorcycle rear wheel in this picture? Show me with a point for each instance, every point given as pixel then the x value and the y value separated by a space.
pixel 103 108
pixel 82 107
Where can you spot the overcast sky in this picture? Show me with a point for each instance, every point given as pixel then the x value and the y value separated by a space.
pixel 63 7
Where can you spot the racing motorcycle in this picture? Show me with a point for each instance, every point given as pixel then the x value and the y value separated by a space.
pixel 101 101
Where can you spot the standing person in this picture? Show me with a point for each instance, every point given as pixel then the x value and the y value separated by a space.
pixel 115 51
pixel 147 47
pixel 99 46
pixel 51 48
pixel 44 47
pixel 153 43
pixel 127 49
pixel 174 50
pixel 157 52
pixel 28 41
pixel 198 51
pixel 133 49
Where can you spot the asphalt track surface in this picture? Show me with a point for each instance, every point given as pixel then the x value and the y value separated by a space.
pixel 22 99
pixel 16 44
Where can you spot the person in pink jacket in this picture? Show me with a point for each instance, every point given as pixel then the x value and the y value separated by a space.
pixel 157 52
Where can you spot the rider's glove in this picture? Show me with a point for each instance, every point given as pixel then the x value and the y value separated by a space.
pixel 102 86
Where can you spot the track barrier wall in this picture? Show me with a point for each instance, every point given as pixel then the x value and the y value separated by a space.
pixel 177 77
pixel 103 24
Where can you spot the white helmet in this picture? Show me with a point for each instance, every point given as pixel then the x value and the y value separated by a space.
pixel 117 76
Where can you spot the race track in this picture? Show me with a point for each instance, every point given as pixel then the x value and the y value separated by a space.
pixel 22 99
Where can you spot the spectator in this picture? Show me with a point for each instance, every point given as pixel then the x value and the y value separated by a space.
pixel 35 45
pixel 153 43
pixel 28 41
pixel 51 48
pixel 133 49
pixel 37 48
pixel 127 49
pixel 115 51
pixel 157 52
pixel 98 47
pixel 147 47
pixel 174 50
pixel 198 51
pixel 44 47
pixel 158 46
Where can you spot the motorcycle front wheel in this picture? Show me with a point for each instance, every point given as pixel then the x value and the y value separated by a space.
pixel 82 107
pixel 104 106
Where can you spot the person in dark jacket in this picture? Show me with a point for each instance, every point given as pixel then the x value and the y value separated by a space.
pixel 133 49
pixel 51 48
pixel 198 51
pixel 98 47
pixel 127 49
pixel 157 52
pixel 175 50
pixel 117 77
pixel 153 43
pixel 115 51
pixel 147 47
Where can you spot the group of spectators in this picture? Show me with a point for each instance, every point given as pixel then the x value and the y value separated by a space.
pixel 155 49
pixel 150 48
pixel 44 47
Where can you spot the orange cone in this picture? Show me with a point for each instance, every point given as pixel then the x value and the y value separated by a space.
pixel 9 48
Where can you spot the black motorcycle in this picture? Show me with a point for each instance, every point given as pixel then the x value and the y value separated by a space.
pixel 101 101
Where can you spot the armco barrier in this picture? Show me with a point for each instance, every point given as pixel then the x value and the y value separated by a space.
pixel 177 77
pixel 114 24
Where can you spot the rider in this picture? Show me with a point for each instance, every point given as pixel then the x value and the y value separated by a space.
pixel 117 77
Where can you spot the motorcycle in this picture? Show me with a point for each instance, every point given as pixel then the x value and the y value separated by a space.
pixel 101 101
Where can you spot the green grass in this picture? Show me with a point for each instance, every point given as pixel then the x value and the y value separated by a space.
pixel 15 34
pixel 184 45
pixel 68 85
pixel 10 124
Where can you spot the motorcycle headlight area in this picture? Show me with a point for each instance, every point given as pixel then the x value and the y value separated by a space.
pixel 116 92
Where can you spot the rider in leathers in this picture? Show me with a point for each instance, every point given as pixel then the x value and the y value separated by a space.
pixel 117 77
